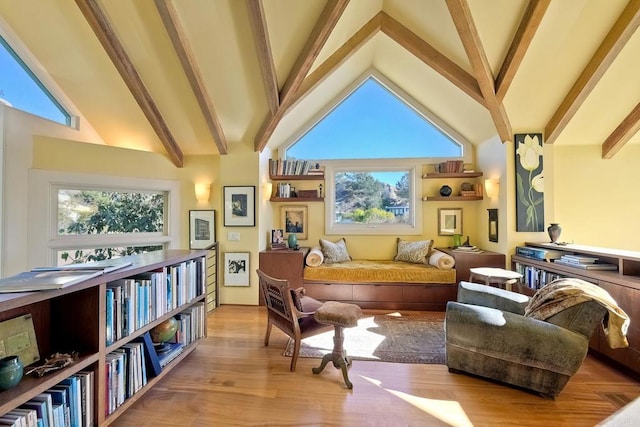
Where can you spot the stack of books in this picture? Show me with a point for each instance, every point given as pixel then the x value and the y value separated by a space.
pixel 468 249
pixel 585 262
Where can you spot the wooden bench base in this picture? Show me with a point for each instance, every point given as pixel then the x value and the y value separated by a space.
pixel 386 296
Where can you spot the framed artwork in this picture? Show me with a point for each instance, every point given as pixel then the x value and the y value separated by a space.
pixel 493 225
pixel 294 220
pixel 202 228
pixel 529 182
pixel 449 221
pixel 240 206
pixel 236 269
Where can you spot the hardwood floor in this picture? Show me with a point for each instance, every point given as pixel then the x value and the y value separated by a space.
pixel 233 379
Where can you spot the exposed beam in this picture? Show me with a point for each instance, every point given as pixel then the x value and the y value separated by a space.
pixel 622 134
pixel 100 25
pixel 345 51
pixel 431 57
pixel 175 29
pixel 470 38
pixel 327 21
pixel 608 50
pixel 265 56
pixel 521 41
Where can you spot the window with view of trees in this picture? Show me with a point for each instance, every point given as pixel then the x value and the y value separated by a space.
pixel 372 140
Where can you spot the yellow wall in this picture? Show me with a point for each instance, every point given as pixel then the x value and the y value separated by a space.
pixel 596 201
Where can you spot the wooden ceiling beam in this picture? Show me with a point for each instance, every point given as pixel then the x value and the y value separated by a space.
pixel 265 56
pixel 180 42
pixel 345 51
pixel 431 57
pixel 326 23
pixel 622 134
pixel 521 41
pixel 608 50
pixel 470 38
pixel 100 25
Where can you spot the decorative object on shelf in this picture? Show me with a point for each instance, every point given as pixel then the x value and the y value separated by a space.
pixel 18 338
pixel 239 206
pixel 493 225
pixel 529 188
pixel 202 229
pixel 11 371
pixel 294 220
pixel 457 240
pixel 292 240
pixel 164 331
pixel 236 269
pixel 445 191
pixel 320 194
pixel 277 239
pixel 554 231
pixel 449 221
pixel 467 186
pixel 54 362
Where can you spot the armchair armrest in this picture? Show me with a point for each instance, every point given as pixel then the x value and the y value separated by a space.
pixel 488 296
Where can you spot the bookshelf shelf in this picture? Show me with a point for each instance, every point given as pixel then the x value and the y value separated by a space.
pixel 296 177
pixel 74 318
pixel 437 175
pixel 453 198
pixel 296 199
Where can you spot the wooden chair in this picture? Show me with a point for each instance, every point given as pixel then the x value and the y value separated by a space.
pixel 290 310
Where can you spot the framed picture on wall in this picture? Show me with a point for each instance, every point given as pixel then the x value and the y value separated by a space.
pixel 294 220
pixel 236 269
pixel 202 228
pixel 449 221
pixel 493 225
pixel 240 206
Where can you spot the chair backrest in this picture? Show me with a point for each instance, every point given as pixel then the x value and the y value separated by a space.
pixel 277 298
pixel 582 318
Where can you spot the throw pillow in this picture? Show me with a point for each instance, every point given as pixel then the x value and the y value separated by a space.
pixel 334 252
pixel 296 300
pixel 415 252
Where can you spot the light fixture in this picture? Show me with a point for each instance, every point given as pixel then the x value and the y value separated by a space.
pixel 267 189
pixel 492 187
pixel 203 189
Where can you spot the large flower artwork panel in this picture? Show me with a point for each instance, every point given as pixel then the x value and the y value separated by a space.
pixel 529 182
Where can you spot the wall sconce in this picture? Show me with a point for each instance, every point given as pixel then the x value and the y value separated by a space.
pixel 203 190
pixel 267 189
pixel 492 188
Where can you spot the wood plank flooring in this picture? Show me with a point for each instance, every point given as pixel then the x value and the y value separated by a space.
pixel 232 379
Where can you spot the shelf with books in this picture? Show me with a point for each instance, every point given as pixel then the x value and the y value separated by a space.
pixel 73 319
pixel 471 190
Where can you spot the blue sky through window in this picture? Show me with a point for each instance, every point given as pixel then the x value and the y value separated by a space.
pixel 21 88
pixel 373 123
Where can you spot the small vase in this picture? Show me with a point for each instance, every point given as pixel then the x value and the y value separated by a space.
pixel 445 191
pixel 554 231
pixel 292 240
pixel 11 370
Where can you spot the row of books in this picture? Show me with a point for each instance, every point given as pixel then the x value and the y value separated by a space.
pixel 67 404
pixel 190 324
pixel 134 302
pixel 294 167
pixel 450 166
pixel 585 262
pixel 126 374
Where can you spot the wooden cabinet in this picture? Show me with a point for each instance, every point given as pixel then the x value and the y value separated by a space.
pixel 283 264
pixel 465 261
pixel 445 178
pixel 74 319
pixel 623 285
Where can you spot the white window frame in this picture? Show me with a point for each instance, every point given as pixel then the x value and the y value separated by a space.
pixel 333 167
pixel 44 240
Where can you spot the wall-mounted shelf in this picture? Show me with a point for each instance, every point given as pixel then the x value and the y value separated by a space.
pixel 296 199
pixel 434 175
pixel 296 177
pixel 453 198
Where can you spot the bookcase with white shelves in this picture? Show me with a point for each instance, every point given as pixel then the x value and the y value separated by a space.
pixel 73 319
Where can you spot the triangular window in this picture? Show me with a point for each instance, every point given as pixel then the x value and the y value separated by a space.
pixel 21 89
pixel 374 122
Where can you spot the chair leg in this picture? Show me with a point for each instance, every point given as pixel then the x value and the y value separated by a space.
pixel 267 334
pixel 294 356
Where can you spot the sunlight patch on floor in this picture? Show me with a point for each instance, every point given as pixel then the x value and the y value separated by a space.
pixel 447 411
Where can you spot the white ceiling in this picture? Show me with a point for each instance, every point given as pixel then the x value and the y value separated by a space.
pixel 221 42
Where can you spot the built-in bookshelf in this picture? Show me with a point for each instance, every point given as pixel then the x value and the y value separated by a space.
pixel 119 366
pixel 443 173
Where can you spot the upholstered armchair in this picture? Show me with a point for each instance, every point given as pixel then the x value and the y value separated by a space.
pixel 291 311
pixel 488 335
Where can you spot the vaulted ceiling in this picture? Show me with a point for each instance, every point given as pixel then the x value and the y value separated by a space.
pixel 194 77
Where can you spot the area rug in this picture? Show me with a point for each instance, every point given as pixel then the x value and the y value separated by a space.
pixel 385 338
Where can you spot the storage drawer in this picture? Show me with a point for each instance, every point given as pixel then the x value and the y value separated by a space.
pixel 377 293
pixel 429 293
pixel 329 291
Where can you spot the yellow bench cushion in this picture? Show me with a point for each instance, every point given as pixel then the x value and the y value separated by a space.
pixel 362 271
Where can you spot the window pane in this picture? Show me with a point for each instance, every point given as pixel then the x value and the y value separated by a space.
pixel 85 212
pixel 22 89
pixel 77 256
pixel 373 123
pixel 372 198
